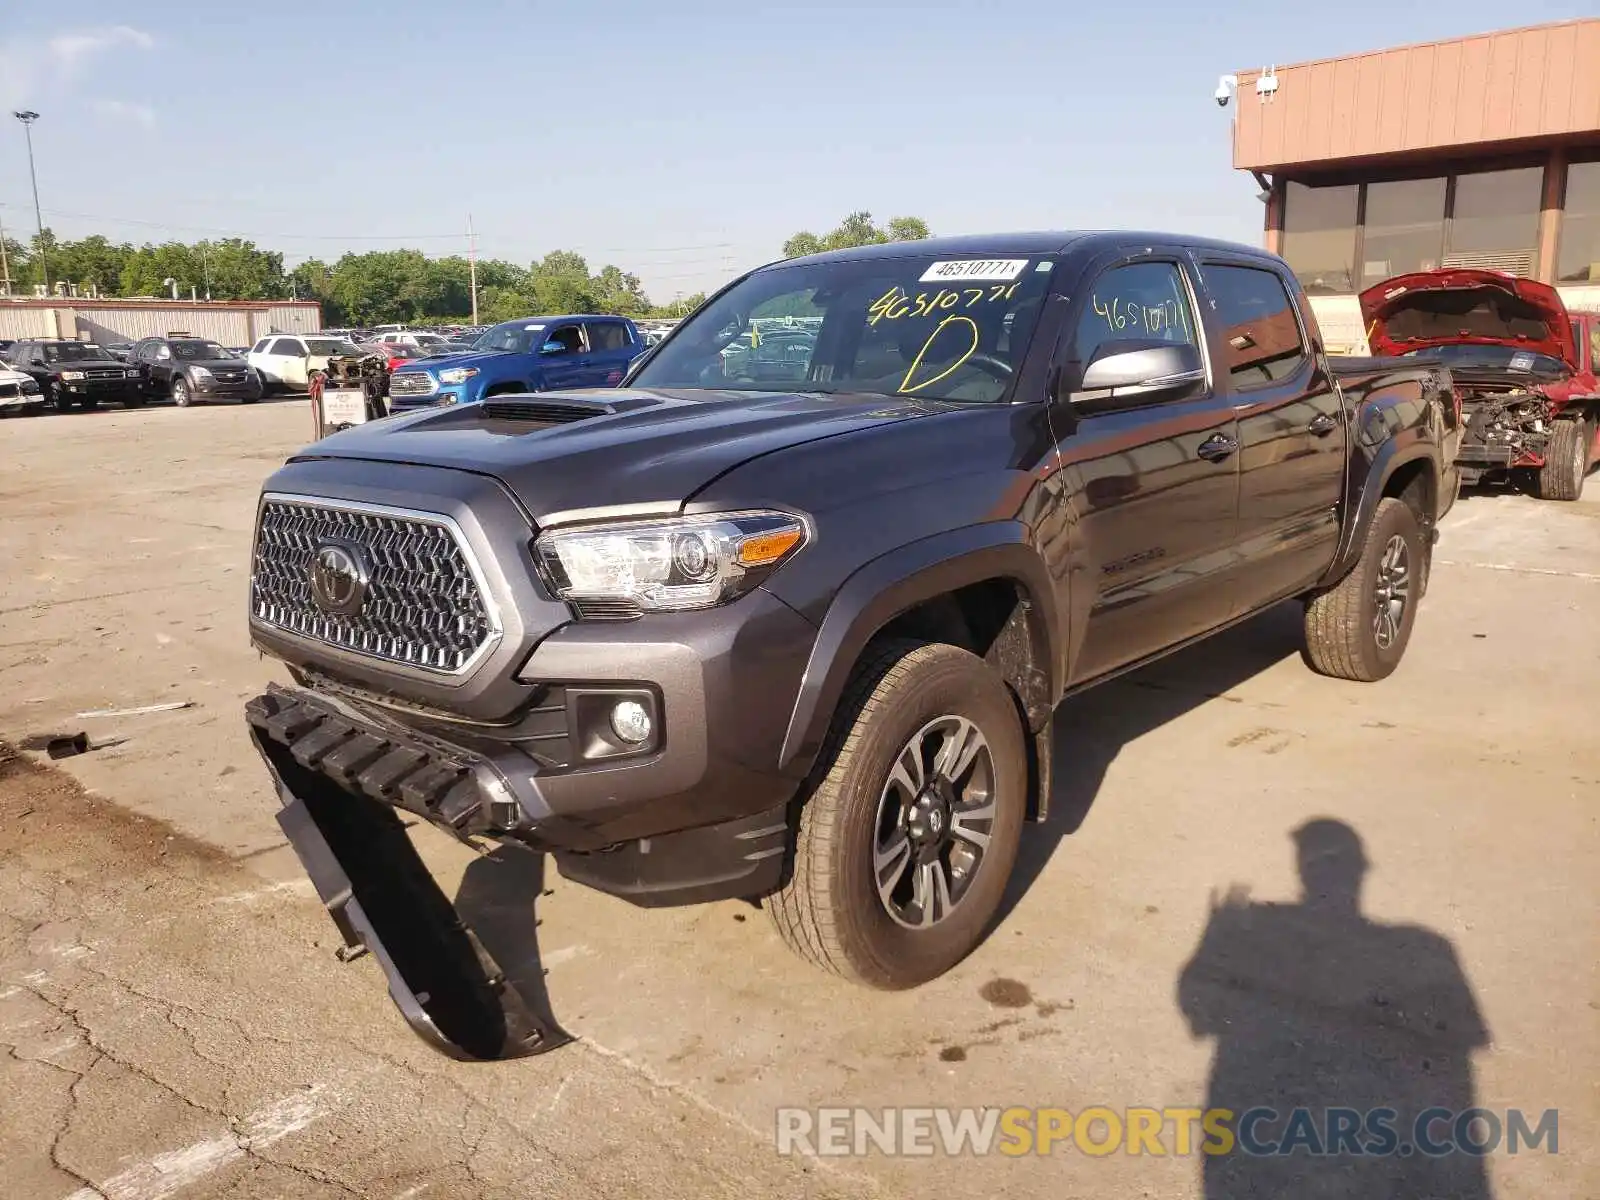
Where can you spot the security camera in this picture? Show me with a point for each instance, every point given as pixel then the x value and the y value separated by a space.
pixel 1225 86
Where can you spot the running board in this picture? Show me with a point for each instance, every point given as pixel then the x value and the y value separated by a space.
pixel 384 900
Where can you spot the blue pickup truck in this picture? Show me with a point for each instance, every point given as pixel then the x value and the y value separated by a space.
pixel 533 354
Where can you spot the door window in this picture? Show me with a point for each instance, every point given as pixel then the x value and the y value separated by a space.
pixel 567 339
pixel 260 347
pixel 288 346
pixel 608 335
pixel 1142 302
pixel 1261 341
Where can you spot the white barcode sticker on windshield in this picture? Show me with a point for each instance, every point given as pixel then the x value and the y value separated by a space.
pixel 985 270
pixel 1521 361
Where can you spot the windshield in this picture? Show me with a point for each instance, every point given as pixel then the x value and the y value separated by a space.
pixel 199 351
pixel 514 337
pixel 918 325
pixel 1498 358
pixel 76 352
pixel 328 346
pixel 428 339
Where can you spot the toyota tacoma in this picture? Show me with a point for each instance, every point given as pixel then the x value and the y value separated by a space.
pixel 791 627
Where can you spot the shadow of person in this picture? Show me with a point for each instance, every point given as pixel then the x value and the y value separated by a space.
pixel 1315 1007
pixel 1092 728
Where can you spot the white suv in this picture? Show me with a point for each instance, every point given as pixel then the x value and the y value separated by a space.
pixel 285 360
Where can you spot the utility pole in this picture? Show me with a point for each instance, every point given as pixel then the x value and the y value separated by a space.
pixel 472 266
pixel 28 117
pixel 5 265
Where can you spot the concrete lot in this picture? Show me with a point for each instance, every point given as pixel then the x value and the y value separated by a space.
pixel 177 1024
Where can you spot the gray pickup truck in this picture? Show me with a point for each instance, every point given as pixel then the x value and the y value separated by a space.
pixel 785 618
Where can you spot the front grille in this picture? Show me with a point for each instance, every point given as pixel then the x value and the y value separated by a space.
pixel 106 373
pixel 228 376
pixel 423 606
pixel 414 383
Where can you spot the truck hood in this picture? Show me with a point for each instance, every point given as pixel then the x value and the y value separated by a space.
pixel 1466 307
pixel 467 358
pixel 617 446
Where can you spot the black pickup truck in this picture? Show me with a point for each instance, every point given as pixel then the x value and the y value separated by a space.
pixel 791 626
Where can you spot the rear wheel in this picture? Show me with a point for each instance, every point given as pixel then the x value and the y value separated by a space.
pixel 906 842
pixel 1566 461
pixel 1358 629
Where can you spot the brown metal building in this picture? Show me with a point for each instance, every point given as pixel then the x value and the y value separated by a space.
pixel 1481 151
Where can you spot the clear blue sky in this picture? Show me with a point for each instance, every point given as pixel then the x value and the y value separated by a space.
pixel 682 141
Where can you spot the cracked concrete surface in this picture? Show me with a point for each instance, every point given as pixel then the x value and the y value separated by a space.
pixel 174 1022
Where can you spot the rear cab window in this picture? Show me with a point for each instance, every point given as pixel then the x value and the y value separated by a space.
pixel 607 335
pixel 1259 332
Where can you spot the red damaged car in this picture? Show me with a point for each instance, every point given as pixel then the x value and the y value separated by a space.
pixel 1524 368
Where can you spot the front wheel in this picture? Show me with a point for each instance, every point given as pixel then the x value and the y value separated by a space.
pixel 180 391
pixel 1358 629
pixel 1566 461
pixel 908 837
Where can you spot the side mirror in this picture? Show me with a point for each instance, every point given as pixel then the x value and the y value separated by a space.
pixel 552 348
pixel 1138 370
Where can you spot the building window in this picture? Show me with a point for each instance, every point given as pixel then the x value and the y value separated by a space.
pixel 1319 236
pixel 1494 222
pixel 1578 260
pixel 1404 230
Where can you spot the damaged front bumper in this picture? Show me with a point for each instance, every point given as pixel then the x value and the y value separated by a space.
pixel 346 778
pixel 384 900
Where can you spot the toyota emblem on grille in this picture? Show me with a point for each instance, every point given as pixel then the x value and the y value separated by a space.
pixel 338 578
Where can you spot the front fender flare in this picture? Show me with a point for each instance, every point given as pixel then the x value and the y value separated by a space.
pixel 895 582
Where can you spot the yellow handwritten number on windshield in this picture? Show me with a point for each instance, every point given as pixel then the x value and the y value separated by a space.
pixel 897 303
pixel 905 384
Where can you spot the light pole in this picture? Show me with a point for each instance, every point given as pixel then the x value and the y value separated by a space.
pixel 28 117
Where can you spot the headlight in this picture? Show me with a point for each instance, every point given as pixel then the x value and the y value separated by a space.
pixel 29 387
pixel 668 566
pixel 457 374
pixel 200 372
pixel 72 374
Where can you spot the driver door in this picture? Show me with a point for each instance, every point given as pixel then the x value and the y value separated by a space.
pixel 1154 479
pixel 563 358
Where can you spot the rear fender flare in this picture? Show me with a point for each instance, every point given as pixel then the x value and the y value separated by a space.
pixel 896 582
pixel 1407 447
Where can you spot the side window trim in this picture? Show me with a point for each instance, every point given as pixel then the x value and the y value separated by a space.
pixel 1307 353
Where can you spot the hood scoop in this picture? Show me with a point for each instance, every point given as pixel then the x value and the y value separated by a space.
pixel 544 409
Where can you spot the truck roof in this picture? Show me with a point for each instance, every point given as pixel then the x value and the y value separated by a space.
pixel 1040 242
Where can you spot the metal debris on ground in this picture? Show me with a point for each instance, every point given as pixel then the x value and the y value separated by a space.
pixel 171 706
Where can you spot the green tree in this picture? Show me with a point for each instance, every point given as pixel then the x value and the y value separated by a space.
pixel 803 243
pixel 857 229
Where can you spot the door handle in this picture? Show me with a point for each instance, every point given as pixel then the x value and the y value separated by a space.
pixel 1322 425
pixel 1217 447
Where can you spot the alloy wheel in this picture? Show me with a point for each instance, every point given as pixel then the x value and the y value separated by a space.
pixel 1392 592
pixel 935 817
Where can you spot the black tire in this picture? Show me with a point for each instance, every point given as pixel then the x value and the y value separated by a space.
pixel 89 403
pixel 830 912
pixel 58 399
pixel 1346 635
pixel 180 392
pixel 1566 461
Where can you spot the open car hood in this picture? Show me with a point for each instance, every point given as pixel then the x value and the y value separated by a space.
pixel 1460 306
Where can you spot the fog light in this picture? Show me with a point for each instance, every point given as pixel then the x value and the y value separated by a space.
pixel 631 721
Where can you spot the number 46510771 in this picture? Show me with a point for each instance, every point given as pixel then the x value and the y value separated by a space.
pixel 895 303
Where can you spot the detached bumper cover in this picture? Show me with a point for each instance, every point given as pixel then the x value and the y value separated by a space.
pixel 383 900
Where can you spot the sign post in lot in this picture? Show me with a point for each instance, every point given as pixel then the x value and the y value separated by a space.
pixel 352 400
